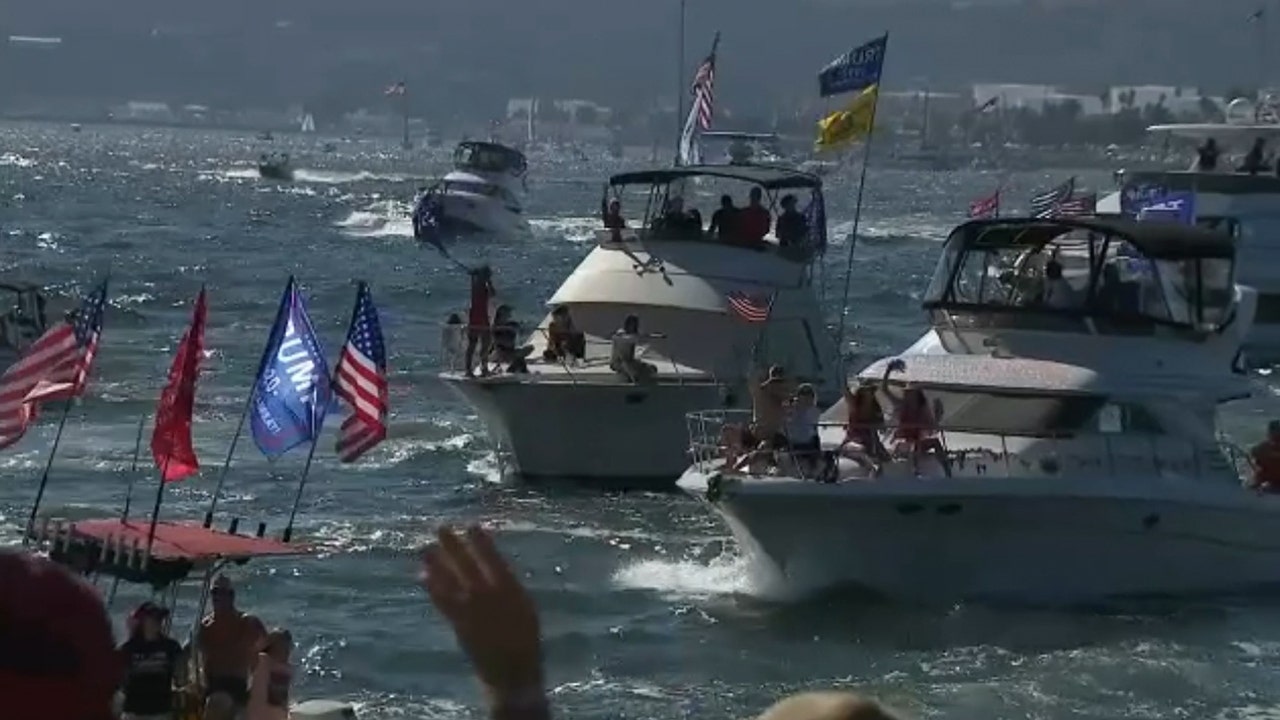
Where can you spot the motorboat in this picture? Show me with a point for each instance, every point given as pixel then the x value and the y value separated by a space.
pixel 709 311
pixel 24 322
pixel 746 147
pixel 1242 205
pixel 1067 465
pixel 275 166
pixel 481 195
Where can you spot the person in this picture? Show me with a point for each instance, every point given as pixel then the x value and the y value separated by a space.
pixel 1058 293
pixel 58 656
pixel 451 340
pixel 722 220
pixel 478 319
pixel 1255 161
pixel 768 403
pixel 613 219
pixel 272 678
pixel 1207 156
pixel 864 422
pixel 1266 460
pixel 152 664
pixel 673 220
pixel 753 220
pixel 622 358
pixel 792 228
pixel 505 336
pixel 801 427
pixel 916 424
pixel 227 641
pixel 564 341
pixel 693 223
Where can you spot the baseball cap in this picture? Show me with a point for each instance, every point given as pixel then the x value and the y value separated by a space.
pixel 57 652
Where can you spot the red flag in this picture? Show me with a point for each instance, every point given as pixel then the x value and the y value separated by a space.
pixel 171 441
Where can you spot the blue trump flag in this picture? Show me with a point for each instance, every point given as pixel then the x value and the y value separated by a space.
pixel 292 393
pixel 1135 196
pixel 1179 207
pixel 854 71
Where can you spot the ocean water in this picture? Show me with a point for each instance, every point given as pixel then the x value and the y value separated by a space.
pixel 648 610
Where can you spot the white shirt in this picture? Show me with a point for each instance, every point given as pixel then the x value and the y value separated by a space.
pixel 802 423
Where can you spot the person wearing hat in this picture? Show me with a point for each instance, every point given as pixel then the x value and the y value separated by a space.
pixel 152 663
pixel 58 658
pixel 1266 460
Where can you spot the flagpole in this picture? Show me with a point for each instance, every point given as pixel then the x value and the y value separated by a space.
pixel 680 79
pixel 44 478
pixel 404 107
pixel 857 212
pixel 133 467
pixel 155 510
pixel 302 483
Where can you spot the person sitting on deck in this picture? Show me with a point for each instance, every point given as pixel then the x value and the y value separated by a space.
pixel 227 642
pixel 801 427
pixel 1266 460
pixel 767 434
pixel 1058 293
pixel 272 678
pixel 451 341
pixel 505 333
pixel 916 425
pixel 865 421
pixel 1255 161
pixel 792 227
pixel 723 221
pixel 613 219
pixel 623 360
pixel 1207 156
pixel 564 341
pixel 753 220
pixel 673 220
pixel 693 224
pixel 153 662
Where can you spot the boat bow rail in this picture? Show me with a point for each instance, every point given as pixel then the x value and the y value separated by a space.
pixel 983 453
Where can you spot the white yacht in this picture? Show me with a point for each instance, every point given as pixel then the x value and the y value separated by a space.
pixel 1082 459
pixel 582 419
pixel 1242 205
pixel 481 195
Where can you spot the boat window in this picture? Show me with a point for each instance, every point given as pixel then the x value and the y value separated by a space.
pixel 1016 414
pixel 1116 418
pixel 472 186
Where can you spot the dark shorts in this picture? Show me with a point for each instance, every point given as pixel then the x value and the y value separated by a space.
pixel 235 687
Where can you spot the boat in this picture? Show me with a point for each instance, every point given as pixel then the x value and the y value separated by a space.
pixel 275 166
pixel 175 559
pixel 747 147
pixel 25 321
pixel 481 195
pixel 1240 204
pixel 582 420
pixel 1082 458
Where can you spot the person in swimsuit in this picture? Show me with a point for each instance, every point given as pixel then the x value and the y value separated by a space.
pixel 478 319
pixel 272 678
pixel 228 641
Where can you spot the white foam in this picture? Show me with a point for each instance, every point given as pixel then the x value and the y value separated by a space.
pixel 725 574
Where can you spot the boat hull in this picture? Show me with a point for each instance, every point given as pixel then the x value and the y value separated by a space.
pixel 931 541
pixel 602 433
pixel 275 173
pixel 464 214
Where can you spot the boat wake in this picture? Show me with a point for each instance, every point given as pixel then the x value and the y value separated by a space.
pixel 312 175
pixel 384 218
pixel 698 577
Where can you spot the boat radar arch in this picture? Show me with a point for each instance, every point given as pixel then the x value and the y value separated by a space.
pixel 1241 111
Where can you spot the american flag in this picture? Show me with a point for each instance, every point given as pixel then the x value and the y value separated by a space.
pixel 1076 206
pixel 704 80
pixel 396 89
pixel 1045 203
pixel 987 207
pixel 56 366
pixel 752 308
pixel 361 380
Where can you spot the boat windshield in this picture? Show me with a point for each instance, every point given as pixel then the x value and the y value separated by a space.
pixel 1125 276
pixel 477 187
pixel 489 157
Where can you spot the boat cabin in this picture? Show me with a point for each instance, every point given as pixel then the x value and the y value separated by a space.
pixel 488 157
pixel 25 320
pixel 1090 275
pixel 681 203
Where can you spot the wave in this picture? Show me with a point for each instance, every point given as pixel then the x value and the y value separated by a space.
pixel 310 175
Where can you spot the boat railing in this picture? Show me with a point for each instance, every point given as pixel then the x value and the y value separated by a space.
pixel 592 368
pixel 715 441
pixel 624 237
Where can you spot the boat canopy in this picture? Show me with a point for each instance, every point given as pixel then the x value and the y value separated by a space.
pixel 1122 275
pixel 489 157
pixel 765 176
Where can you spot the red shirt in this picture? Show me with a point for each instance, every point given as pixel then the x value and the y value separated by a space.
pixel 481 291
pixel 1266 461
pixel 753 222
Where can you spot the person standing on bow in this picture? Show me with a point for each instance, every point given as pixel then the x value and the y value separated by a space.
pixel 153 661
pixel 482 292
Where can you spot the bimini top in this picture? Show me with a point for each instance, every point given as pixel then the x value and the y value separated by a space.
pixel 768 177
pixel 1161 240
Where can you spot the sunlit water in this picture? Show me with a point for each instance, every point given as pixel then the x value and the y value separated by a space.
pixel 649 612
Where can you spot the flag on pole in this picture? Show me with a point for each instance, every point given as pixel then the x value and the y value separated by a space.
pixel 1044 203
pixel 702 110
pixel 850 124
pixel 361 380
pixel 171 444
pixel 986 207
pixel 56 366
pixel 752 308
pixel 1076 206
pixel 395 89
pixel 856 70
pixel 291 394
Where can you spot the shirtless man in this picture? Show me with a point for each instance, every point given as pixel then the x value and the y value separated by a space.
pixel 228 642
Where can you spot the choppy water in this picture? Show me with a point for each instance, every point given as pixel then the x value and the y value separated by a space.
pixel 648 610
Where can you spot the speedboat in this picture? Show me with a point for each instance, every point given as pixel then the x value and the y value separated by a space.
pixel 481 195
pixel 1076 455
pixel 1242 205
pixel 747 148
pixel 709 310
pixel 275 166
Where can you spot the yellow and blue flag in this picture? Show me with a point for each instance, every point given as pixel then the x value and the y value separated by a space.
pixel 850 124
pixel 856 70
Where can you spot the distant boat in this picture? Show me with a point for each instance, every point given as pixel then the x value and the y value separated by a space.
pixel 482 195
pixel 308 123
pixel 75 127
pixel 266 135
pixel 275 166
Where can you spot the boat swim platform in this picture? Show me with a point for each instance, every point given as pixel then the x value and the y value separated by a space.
pixel 118 548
